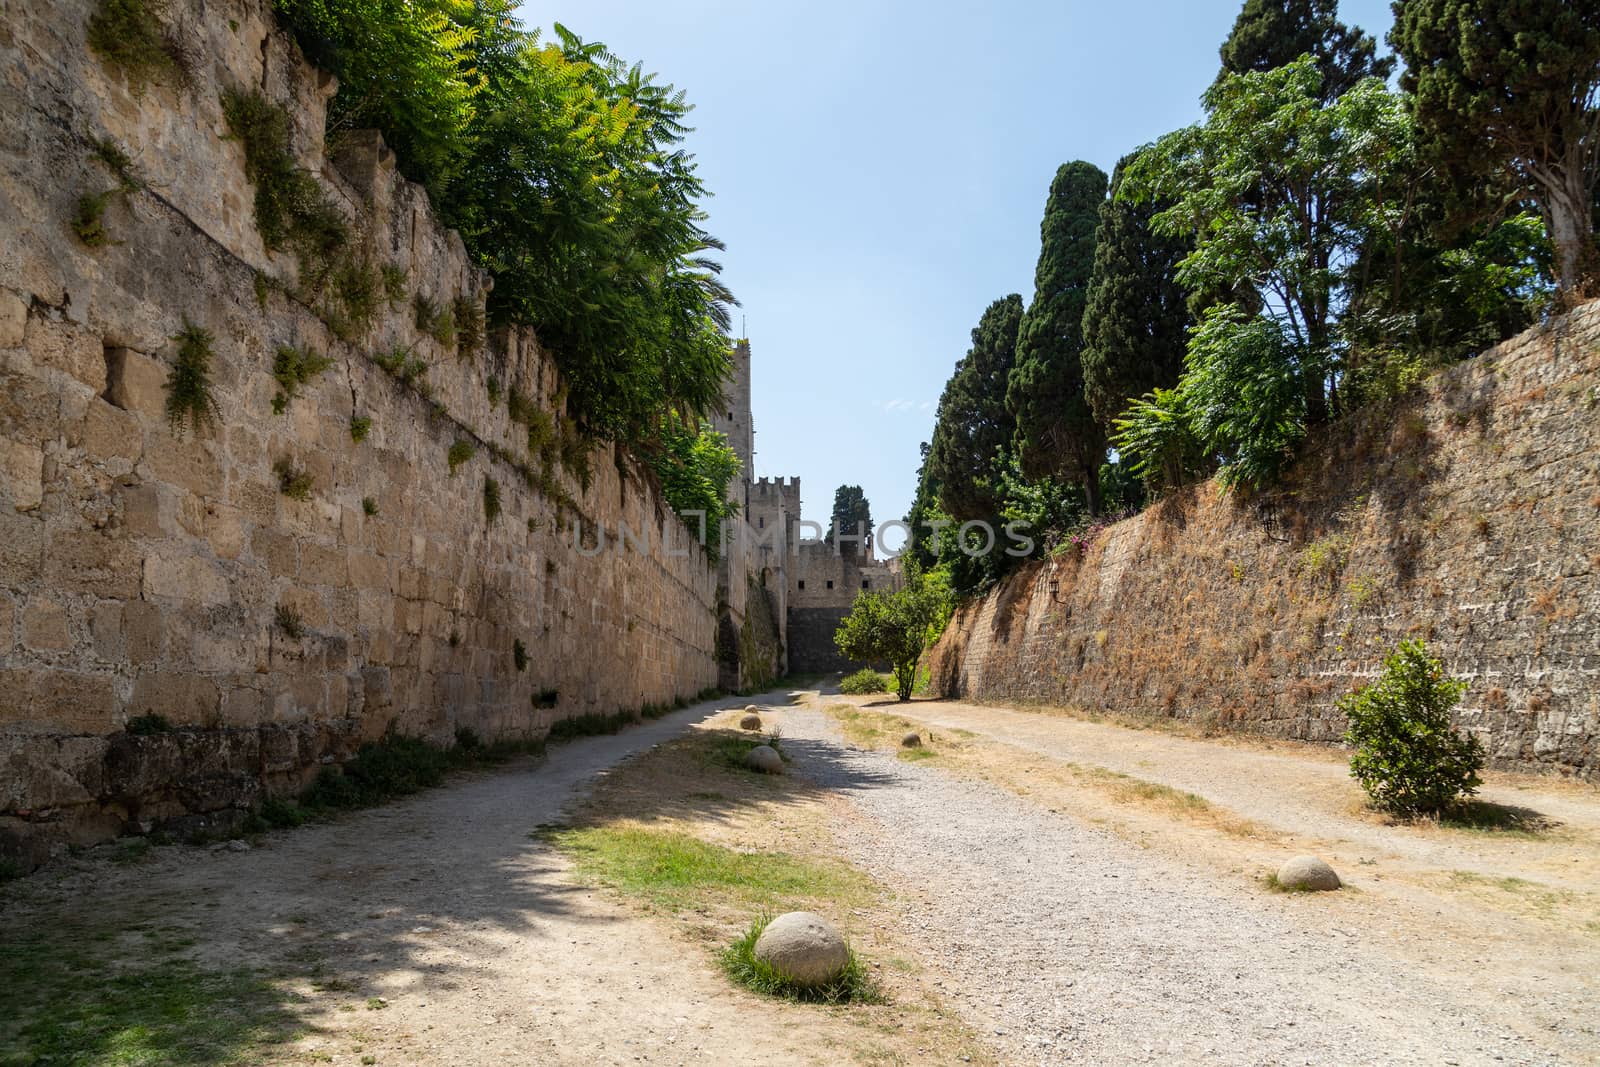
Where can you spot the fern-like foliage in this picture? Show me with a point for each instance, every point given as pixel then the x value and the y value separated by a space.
pixel 189 397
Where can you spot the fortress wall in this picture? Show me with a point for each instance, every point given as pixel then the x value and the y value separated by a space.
pixel 1469 517
pixel 146 572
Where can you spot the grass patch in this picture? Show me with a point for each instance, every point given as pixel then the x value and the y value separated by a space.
pixel 677 871
pixel 292 212
pixel 147 724
pixel 289 621
pixel 369 506
pixel 293 482
pixel 128 37
pixel 589 724
pixel 1270 880
pixel 189 397
pixel 468 321
pixel 460 453
pixel 491 499
pixel 69 1001
pixel 863 681
pixel 727 749
pixel 89 219
pixel 293 368
pixel 853 986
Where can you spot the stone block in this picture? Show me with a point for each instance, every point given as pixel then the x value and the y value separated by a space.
pixel 183 462
pixel 66 347
pixel 13 319
pixel 43 700
pixel 21 474
pixel 136 383
pixel 88 561
pixel 140 510
pixel 109 433
pixel 224 530
pixel 143 631
pixel 278 551
pixel 323 565
pixel 45 626
pixel 182 698
pixel 174 574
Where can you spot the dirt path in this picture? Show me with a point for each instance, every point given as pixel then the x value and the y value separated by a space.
pixel 1074 943
pixel 436 931
pixel 1305 790
pixel 1061 927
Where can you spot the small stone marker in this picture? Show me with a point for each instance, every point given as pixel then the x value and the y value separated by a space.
pixel 764 758
pixel 1307 873
pixel 751 721
pixel 803 947
pixel 911 740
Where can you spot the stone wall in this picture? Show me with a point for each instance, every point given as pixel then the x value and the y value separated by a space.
pixel 148 572
pixel 1470 517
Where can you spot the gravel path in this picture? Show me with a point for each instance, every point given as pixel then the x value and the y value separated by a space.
pixel 1069 944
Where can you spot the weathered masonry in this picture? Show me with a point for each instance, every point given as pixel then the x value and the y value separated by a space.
pixel 378 547
pixel 1470 518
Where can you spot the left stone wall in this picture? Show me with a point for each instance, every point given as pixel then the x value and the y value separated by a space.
pixel 142 572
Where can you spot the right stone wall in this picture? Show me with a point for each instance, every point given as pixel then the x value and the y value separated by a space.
pixel 1469 516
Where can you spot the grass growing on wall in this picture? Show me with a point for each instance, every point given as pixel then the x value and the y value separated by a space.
pixel 129 37
pixel 291 369
pixel 189 398
pixel 291 209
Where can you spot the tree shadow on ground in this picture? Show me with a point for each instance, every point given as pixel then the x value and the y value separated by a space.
pixel 1488 817
pixel 252 949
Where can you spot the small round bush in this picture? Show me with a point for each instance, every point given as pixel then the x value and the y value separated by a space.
pixel 1409 758
pixel 865 680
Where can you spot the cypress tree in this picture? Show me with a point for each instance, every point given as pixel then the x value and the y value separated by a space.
pixel 1056 434
pixel 1135 321
pixel 852 516
pixel 973 425
pixel 1508 90
pixel 1271 33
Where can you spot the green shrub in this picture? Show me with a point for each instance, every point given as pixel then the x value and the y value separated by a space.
pixel 291 369
pixel 853 985
pixel 128 37
pixel 519 654
pixel 189 396
pixel 460 453
pixel 293 482
pixel 292 212
pixel 437 322
pixel 118 162
pixel 866 680
pixel 288 620
pixel 88 219
pixel 492 386
pixel 491 499
pixel 468 322
pixel 147 724
pixel 394 283
pixel 369 506
pixel 1409 757
pixel 360 426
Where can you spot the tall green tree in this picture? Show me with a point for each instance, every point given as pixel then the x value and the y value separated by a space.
pixel 1057 435
pixel 973 426
pixel 1136 317
pixel 1273 33
pixel 852 517
pixel 1512 88
pixel 1280 190
pixel 893 628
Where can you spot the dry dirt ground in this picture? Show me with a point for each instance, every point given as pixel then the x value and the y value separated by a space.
pixel 1042 889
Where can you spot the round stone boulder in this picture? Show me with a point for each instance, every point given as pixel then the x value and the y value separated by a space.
pixel 1307 873
pixel 911 740
pixel 764 758
pixel 803 947
pixel 751 721
pixel 752 708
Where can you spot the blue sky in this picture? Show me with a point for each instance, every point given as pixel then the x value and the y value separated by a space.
pixel 880 170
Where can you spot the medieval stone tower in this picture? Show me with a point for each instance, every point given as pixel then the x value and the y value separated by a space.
pixel 782 592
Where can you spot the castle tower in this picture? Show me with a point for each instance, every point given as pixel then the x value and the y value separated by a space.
pixel 734 419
